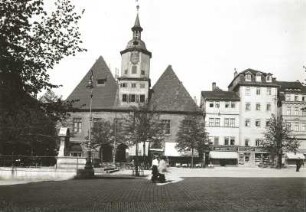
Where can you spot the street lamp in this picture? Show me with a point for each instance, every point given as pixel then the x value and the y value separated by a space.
pixel 89 171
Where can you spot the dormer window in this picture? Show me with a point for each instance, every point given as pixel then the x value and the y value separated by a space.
pixel 101 82
pixel 248 77
pixel 258 77
pixel 269 78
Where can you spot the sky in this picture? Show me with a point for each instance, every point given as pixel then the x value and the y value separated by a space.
pixel 203 40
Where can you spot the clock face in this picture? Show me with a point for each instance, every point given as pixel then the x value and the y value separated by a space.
pixel 135 57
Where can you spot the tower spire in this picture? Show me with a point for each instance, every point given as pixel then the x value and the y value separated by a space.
pixel 137 29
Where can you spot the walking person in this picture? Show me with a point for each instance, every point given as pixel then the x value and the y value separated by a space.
pixel 162 169
pixel 155 173
pixel 298 164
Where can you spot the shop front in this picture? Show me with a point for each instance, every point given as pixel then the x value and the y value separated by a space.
pixel 223 158
pixel 291 158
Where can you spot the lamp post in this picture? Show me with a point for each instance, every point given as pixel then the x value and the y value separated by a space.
pixel 89 171
pixel 136 137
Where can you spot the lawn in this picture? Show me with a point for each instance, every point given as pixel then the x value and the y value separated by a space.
pixel 191 194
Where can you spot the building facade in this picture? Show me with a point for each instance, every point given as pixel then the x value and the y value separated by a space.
pixel 259 96
pixel 114 99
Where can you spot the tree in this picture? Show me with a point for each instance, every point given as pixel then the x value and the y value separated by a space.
pixel 278 139
pixel 106 133
pixel 32 41
pixel 192 135
pixel 144 125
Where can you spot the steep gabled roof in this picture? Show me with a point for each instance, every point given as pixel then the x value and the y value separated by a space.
pixel 169 94
pixel 104 96
pixel 220 95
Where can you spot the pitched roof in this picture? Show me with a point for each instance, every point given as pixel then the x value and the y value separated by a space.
pixel 220 95
pixel 169 94
pixel 104 96
pixel 294 86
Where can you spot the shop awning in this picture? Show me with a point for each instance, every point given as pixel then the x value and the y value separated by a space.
pixel 292 155
pixel 171 151
pixel 223 155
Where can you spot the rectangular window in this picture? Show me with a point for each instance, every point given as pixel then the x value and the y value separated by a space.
pixel 216 141
pixel 247 123
pixel 211 121
pixel 143 72
pixel 132 98
pixel 247 91
pixel 123 85
pixel 142 85
pixel 296 126
pixel 134 69
pixel 246 142
pixel 226 141
pixel 142 98
pixel 217 122
pixel 288 97
pixel 258 106
pixel 268 107
pixel 304 127
pixel 232 140
pixel 288 110
pixel 101 82
pixel 269 91
pixel 296 98
pixel 77 125
pixel 257 142
pixel 166 125
pixel 211 104
pixel 233 105
pixel 133 85
pixel 303 98
pixel 257 91
pixel 296 111
pixel 227 104
pixel 257 123
pixel 288 125
pixel 226 122
pixel 247 106
pixel 217 104
pixel 124 98
pixel 232 122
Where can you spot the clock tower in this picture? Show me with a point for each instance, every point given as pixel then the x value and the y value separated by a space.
pixel 134 81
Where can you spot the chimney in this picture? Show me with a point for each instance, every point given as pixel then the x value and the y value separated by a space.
pixel 214 86
pixel 235 73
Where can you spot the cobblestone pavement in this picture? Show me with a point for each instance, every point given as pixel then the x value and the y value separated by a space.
pixel 139 194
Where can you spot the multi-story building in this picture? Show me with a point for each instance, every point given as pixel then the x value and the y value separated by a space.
pixel 258 96
pixel 292 104
pixel 221 110
pixel 115 99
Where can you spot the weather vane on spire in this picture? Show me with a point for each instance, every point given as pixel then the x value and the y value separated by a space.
pixel 137 6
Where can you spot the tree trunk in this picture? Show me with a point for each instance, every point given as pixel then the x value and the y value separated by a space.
pixel 279 159
pixel 192 158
